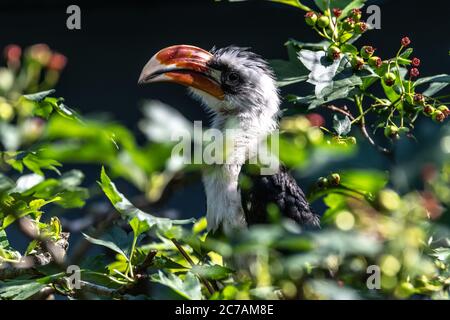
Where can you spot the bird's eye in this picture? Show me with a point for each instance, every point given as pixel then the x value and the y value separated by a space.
pixel 232 77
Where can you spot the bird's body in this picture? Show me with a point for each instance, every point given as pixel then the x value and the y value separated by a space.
pixel 239 89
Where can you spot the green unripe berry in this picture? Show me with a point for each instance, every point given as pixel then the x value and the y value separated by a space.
pixel 351 140
pixel 438 116
pixel 334 179
pixel 367 52
pixel 419 99
pixel 356 15
pixel 357 63
pixel 323 22
pixel 334 53
pixel 428 110
pixel 322 183
pixel 311 18
pixel 348 25
pixel 361 27
pixel 391 132
pixel 443 109
pixel 375 62
pixel 389 79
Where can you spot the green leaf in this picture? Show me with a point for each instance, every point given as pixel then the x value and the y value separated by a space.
pixel 138 226
pixel 39 96
pixel 437 83
pixel 20 289
pixel 214 272
pixel 105 243
pixel 364 180
pixel 322 70
pixel 322 4
pixel 5 183
pixel 294 3
pixel 294 46
pixel 442 254
pixel 407 53
pixel 4 243
pixel 34 162
pixel 66 188
pixel 335 203
pixel 188 288
pixel 342 126
pixel 288 72
pixel 347 6
pixel 127 210
pixel 67 112
pixel 349 48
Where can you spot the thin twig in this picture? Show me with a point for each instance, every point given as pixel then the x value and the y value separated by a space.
pixel 191 262
pixel 362 126
pixel 339 110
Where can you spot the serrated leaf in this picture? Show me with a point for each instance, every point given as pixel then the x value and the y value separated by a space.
pixel 322 70
pixel 20 289
pixel 138 226
pixel 188 288
pixel 342 126
pixel 38 96
pixel 288 72
pixel 437 83
pixel 128 211
pixel 105 243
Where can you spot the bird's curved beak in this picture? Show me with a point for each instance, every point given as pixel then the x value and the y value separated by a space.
pixel 182 64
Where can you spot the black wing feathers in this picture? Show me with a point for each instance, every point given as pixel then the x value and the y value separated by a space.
pixel 280 189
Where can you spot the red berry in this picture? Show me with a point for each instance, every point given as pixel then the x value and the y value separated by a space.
pixel 406 42
pixel 356 14
pixel 13 53
pixel 337 12
pixel 419 99
pixel 57 62
pixel 361 27
pixel 349 24
pixel 415 62
pixel 414 73
pixel 315 119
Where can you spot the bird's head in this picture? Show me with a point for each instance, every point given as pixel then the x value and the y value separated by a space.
pixel 230 80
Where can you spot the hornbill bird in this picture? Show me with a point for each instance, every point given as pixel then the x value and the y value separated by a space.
pixel 238 87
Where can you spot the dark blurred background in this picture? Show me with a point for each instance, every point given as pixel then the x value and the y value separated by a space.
pixel 116 40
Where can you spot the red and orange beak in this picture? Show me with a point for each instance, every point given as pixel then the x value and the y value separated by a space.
pixel 182 64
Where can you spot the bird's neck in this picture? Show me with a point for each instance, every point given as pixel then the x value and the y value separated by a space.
pixel 244 130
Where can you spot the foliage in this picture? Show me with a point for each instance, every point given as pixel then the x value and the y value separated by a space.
pixel 366 220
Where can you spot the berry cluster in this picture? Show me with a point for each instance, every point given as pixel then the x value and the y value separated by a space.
pixel 332 180
pixel 331 26
pixel 402 105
